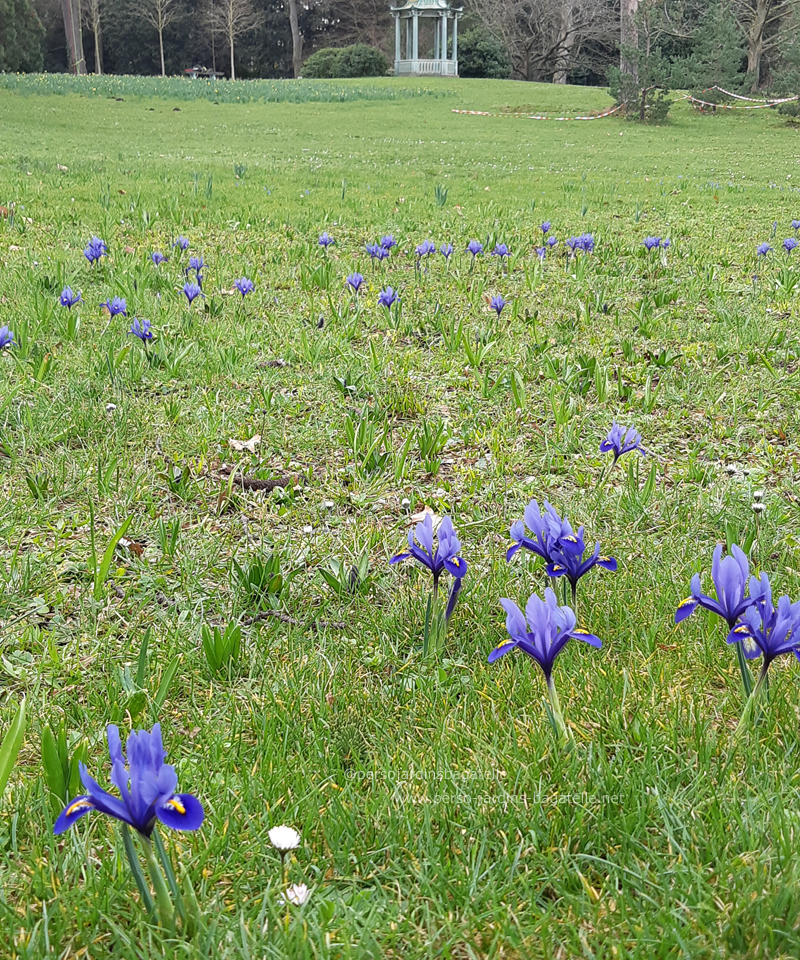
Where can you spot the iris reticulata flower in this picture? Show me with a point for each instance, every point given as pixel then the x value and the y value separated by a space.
pixel 244 286
pixel 6 337
pixel 498 303
pixel 95 250
pixel 68 298
pixel 354 281
pixel 116 306
pixel 141 329
pixel 388 297
pixel 620 441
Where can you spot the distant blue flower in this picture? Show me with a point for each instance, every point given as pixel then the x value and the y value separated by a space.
pixel 95 250
pixel 619 442
pixel 325 240
pixel 141 329
pixel 444 557
pixel 192 291
pixel 425 249
pixel 551 242
pixel 157 258
pixel 196 264
pixel 652 243
pixel 244 286
pixel 546 226
pixel 763 249
pixel 377 252
pixel 354 281
pixel 587 242
pixel 388 242
pixel 666 244
pixel 796 224
pixel 765 629
pixel 116 306
pixel 497 303
pixel 542 631
pixel 181 243
pixel 388 297
pixel 500 250
pixel 147 789
pixel 6 337
pixel 789 244
pixel 69 299
pixel 475 247
pixel 446 250
pixel 730 580
pixel 541 252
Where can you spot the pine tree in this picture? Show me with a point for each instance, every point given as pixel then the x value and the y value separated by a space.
pixel 21 34
pixel 719 55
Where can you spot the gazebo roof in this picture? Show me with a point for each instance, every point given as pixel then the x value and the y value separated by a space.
pixel 424 6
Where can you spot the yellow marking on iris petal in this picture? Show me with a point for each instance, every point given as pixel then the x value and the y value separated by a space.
pixel 81 804
pixel 581 630
pixel 176 805
pixel 740 629
pixel 683 603
pixel 557 566
pixel 605 559
pixel 571 539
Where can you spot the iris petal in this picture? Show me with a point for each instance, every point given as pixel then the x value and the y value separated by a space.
pixel 181 812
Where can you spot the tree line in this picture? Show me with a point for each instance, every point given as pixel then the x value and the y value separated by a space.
pixel 748 44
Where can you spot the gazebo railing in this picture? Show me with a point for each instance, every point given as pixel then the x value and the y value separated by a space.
pixel 440 68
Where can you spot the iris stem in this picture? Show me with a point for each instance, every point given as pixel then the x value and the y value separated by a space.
pixel 747 679
pixel 136 870
pixel 558 718
pixel 747 713
pixel 165 907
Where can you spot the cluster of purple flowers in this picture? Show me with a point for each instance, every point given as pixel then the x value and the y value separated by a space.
pixel 584 242
pixel 95 250
pixel 653 243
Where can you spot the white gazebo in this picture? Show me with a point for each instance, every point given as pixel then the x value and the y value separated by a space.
pixel 434 61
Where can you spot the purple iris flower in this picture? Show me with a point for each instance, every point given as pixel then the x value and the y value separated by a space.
pixel 541 252
pixel 141 329
pixel 652 243
pixel 244 286
pixel 354 281
pixel 377 252
pixel 619 441
pixel 551 534
pixel 425 249
pixel 181 243
pixel 475 247
pixel 68 298
pixel 551 242
pixel 146 784
pixel 587 242
pixel 444 557
pixel 192 291
pixel 325 240
pixel 116 306
pixel 765 629
pixel 196 264
pixel 666 244
pixel 789 244
pixel 446 250
pixel 570 563
pixel 157 258
pixel 6 337
pixel 763 249
pixel 388 297
pixel 545 227
pixel 388 242
pixel 542 631
pixel 497 303
pixel 95 250
pixel 500 250
pixel 796 224
pixel 730 579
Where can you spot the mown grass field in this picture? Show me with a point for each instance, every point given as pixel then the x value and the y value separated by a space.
pixel 438 816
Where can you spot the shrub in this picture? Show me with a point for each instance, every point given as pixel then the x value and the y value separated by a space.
pixel 482 56
pixel 358 60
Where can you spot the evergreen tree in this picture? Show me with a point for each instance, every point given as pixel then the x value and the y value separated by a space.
pixel 21 35
pixel 719 55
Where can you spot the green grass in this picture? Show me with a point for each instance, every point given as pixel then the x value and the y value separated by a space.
pixel 425 798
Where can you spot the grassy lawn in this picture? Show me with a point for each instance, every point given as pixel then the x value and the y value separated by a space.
pixel 439 815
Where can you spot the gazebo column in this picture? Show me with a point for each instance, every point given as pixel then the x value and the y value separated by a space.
pixel 437 35
pixel 444 37
pixel 455 38
pixel 415 50
pixel 397 41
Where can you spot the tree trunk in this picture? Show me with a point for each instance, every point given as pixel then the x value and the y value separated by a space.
pixel 628 33
pixel 72 26
pixel 161 49
pixel 755 41
pixel 97 30
pixel 566 42
pixel 297 40
pixel 230 38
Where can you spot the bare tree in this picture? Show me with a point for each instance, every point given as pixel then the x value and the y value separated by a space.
pixel 297 39
pixel 547 39
pixel 628 33
pixel 90 14
pixel 72 25
pixel 761 21
pixel 159 14
pixel 232 18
